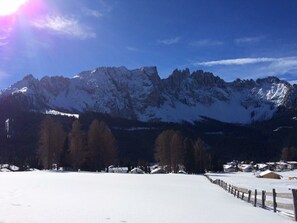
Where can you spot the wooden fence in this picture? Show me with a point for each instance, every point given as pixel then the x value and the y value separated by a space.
pixel 261 198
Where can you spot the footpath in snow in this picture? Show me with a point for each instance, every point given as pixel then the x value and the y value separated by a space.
pixel 40 196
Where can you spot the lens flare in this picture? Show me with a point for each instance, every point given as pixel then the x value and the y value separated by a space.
pixel 8 7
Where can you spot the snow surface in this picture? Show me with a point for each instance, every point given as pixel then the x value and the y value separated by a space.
pixel 54 112
pixel 141 94
pixel 40 196
pixel 250 181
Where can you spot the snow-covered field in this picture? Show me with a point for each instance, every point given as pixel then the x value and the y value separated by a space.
pixel 41 196
pixel 251 182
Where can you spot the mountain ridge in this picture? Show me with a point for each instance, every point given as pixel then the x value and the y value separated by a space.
pixel 142 95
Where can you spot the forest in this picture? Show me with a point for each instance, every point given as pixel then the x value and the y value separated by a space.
pixel 203 145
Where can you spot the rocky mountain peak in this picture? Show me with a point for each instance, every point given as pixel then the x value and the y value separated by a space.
pixel 270 80
pixel 207 78
pixel 141 94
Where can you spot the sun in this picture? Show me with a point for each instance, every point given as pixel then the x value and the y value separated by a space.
pixel 8 7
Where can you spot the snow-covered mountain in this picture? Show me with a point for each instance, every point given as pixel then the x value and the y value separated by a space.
pixel 141 94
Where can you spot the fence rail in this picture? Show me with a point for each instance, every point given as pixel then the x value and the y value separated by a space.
pixel 259 197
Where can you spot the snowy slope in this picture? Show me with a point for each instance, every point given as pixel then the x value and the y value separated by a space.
pixel 121 198
pixel 141 94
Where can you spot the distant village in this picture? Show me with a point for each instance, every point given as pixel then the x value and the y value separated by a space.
pixel 262 170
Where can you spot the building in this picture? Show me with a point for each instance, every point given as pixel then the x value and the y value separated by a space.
pixel 292 165
pixel 246 168
pixel 269 174
pixel 229 168
pixel 9 128
pixel 261 166
pixel 281 166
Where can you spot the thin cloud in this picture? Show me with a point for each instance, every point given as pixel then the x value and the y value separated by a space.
pixel 206 43
pixel 133 49
pixel 4 36
pixel 64 26
pixel 237 61
pixel 170 41
pixel 283 67
pixel 3 75
pixel 248 40
pixel 92 13
pixel 104 6
pixel 3 43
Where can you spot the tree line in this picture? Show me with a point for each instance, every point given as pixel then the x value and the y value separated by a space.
pixel 174 152
pixel 93 150
pixel 289 154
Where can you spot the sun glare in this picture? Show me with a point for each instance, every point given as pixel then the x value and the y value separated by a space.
pixel 8 7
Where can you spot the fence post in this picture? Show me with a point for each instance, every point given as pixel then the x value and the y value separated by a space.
pixel 238 194
pixel 242 195
pixel 274 200
pixel 249 196
pixel 235 192
pixel 263 198
pixel 294 191
pixel 255 199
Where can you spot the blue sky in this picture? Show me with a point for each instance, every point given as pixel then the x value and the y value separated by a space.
pixel 233 39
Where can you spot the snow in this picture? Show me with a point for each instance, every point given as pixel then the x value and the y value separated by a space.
pixel 139 94
pixel 4 170
pixel 135 128
pixel 22 90
pixel 282 127
pixel 14 168
pixel 8 168
pixel 137 171
pixel 123 198
pixel 54 112
pixel 261 165
pixel 177 111
pixel 251 182
pixel 263 173
pixel 158 170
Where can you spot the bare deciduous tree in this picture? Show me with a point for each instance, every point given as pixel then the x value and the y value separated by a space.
pixel 76 146
pixel 51 142
pixel 101 145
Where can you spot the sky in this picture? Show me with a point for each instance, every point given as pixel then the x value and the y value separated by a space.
pixel 231 38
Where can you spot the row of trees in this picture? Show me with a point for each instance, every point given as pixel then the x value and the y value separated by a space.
pixel 289 154
pixel 94 150
pixel 173 151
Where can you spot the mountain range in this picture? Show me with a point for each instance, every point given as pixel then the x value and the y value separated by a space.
pixel 140 94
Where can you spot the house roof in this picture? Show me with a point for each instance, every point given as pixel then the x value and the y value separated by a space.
pixel 261 165
pixel 226 166
pixel 267 172
pixel 281 163
pixel 246 166
pixel 292 162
